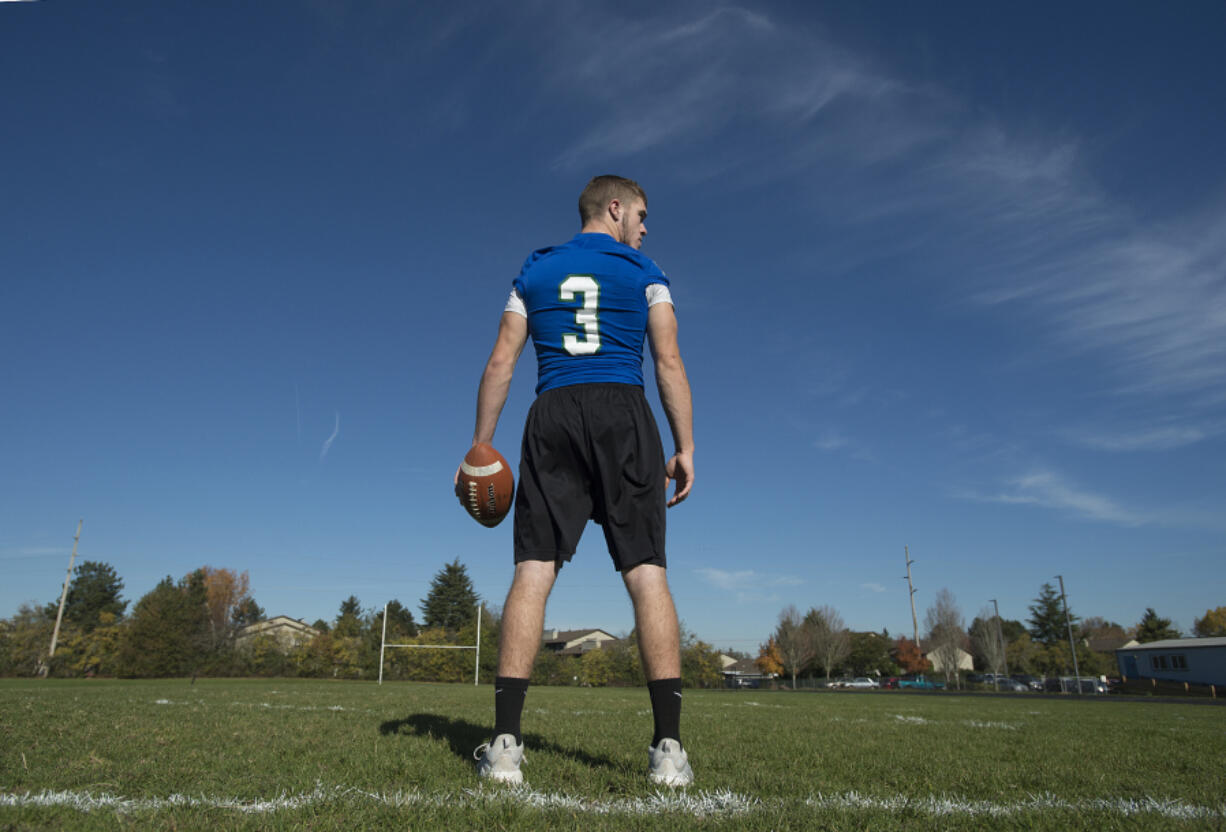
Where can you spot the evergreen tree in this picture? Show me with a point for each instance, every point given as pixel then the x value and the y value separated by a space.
pixel 246 614
pixel 94 590
pixel 452 601
pixel 870 655
pixel 400 619
pixel 1047 621
pixel 349 620
pixel 1153 628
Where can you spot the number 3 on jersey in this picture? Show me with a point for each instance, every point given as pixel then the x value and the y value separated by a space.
pixel 585 317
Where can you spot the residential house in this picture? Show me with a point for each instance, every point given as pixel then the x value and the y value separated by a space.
pixel 287 632
pixel 575 642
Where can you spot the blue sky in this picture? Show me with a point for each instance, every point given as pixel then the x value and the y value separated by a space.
pixel 947 277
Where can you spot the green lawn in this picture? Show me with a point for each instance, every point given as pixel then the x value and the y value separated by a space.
pixel 308 754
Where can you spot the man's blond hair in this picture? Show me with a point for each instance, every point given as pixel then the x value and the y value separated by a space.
pixel 604 189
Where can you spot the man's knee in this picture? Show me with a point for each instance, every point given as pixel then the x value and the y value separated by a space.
pixel 645 580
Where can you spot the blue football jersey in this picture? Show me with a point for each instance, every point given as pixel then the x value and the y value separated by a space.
pixel 587 310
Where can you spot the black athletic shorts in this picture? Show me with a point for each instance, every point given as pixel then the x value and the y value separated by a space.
pixel 591 451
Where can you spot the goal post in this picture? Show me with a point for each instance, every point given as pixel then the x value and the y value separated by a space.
pixel 383 645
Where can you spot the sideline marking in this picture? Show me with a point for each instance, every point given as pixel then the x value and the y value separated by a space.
pixel 697 804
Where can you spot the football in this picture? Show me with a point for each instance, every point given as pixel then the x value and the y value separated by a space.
pixel 486 485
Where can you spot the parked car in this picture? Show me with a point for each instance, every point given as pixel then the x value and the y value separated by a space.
pixel 1011 685
pixel 861 682
pixel 1032 682
pixel 920 682
pixel 889 683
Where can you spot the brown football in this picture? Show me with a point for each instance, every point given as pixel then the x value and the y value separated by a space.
pixel 486 485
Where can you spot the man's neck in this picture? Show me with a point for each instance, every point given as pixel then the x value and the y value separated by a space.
pixel 601 228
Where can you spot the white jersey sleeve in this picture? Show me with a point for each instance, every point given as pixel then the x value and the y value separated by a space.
pixel 656 293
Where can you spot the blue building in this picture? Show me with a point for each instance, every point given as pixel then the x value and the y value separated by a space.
pixel 1199 661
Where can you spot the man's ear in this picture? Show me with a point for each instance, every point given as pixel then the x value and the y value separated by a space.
pixel 615 209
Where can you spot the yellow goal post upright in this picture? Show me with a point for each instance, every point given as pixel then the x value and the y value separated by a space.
pixel 383 645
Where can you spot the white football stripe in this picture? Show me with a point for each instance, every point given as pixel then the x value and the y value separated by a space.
pixel 699 804
pixel 481 470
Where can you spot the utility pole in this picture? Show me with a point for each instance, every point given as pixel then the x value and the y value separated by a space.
pixel 59 616
pixel 914 621
pixel 1069 623
pixel 1000 635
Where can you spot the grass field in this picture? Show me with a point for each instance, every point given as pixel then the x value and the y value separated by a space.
pixel 273 754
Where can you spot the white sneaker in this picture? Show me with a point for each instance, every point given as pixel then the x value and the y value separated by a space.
pixel 499 760
pixel 669 765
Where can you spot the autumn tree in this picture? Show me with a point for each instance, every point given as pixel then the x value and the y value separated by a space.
pixel 1152 627
pixel 945 636
pixel 831 641
pixel 770 660
pixel 795 641
pixel 1212 624
pixel 908 656
pixel 226 591
pixel 451 602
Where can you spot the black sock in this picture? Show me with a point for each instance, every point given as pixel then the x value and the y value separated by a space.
pixel 666 709
pixel 509 695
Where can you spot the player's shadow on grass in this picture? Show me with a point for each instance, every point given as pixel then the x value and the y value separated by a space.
pixel 464 736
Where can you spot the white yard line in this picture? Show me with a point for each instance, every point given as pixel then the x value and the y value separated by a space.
pixel 695 804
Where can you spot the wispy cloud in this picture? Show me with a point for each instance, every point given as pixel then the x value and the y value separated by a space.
pixel 698 73
pixel 749 586
pixel 830 440
pixel 1015 213
pixel 33 552
pixel 336 431
pixel 1152 439
pixel 1047 489
pixel 873 587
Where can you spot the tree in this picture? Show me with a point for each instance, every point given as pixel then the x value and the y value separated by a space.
pixel 908 656
pixel 1048 625
pixel 945 636
pixel 24 641
pixel 1213 623
pixel 452 601
pixel 94 590
pixel 986 641
pixel 400 619
pixel 1153 628
pixel 349 619
pixel 1022 655
pixel 870 654
pixel 795 641
pixel 169 630
pixel 226 591
pixel 700 667
pixel 1098 627
pixel 770 660
pixel 831 641
pixel 246 614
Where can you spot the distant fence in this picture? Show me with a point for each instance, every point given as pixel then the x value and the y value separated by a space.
pixel 1166 687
